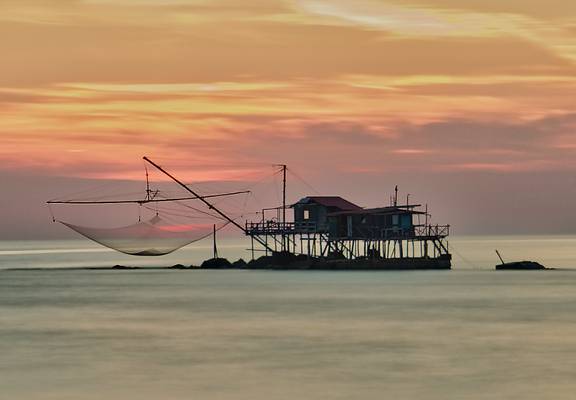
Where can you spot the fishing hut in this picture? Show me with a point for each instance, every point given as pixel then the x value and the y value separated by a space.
pixel 330 231
pixel 316 232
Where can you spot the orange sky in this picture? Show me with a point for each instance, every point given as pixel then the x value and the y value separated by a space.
pixel 215 88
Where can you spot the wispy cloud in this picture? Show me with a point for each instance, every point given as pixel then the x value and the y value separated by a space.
pixel 454 19
pixel 412 20
pixel 381 84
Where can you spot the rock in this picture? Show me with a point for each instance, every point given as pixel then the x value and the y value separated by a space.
pixel 239 263
pixel 336 255
pixel 280 260
pixel 178 266
pixel 261 262
pixel 216 263
pixel 123 267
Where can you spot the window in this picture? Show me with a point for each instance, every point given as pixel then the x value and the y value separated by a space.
pixel 306 214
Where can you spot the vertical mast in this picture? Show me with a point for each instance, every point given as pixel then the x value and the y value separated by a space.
pixel 283 193
pixel 283 205
pixel 147 183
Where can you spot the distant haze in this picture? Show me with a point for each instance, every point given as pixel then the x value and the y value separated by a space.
pixel 467 106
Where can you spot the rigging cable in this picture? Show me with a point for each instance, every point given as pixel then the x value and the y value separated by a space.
pixel 51 213
pixel 175 213
pixel 470 263
pixel 295 175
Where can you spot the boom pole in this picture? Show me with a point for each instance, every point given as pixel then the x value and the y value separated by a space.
pixel 203 200
pixel 148 199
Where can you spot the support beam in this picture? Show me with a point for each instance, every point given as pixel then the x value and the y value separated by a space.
pixel 143 201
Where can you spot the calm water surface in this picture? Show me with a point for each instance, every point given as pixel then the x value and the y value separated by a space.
pixel 470 333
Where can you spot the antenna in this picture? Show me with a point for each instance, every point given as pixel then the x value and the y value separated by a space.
pixel 147 183
pixel 283 168
pixel 284 194
pixel 396 196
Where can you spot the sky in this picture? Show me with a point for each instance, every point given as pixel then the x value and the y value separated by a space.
pixel 466 105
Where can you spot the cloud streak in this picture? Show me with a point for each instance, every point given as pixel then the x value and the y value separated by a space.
pixel 355 92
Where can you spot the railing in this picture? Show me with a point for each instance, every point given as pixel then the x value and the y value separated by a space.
pixel 417 232
pixel 309 226
pixel 275 228
pixel 432 230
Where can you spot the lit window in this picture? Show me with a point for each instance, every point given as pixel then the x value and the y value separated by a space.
pixel 306 214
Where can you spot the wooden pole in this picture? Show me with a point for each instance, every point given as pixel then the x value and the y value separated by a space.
pixel 284 193
pixel 284 207
pixel 499 256
pixel 214 241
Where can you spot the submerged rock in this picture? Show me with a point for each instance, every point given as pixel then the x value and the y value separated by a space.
pixel 178 266
pixel 117 266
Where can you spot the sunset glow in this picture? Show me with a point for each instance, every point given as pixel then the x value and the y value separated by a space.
pixel 103 82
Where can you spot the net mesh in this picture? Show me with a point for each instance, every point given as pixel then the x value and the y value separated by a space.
pixel 168 218
pixel 154 237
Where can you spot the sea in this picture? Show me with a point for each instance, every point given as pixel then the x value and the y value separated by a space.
pixel 151 334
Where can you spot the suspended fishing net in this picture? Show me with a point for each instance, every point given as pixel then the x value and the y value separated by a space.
pixel 153 222
pixel 154 237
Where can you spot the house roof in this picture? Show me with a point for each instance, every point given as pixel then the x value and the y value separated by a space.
pixel 379 211
pixel 330 201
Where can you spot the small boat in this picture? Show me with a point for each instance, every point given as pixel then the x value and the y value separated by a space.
pixel 518 265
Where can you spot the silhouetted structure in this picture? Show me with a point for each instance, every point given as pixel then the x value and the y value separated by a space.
pixel 332 228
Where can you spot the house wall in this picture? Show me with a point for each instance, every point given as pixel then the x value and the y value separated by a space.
pixel 367 225
pixel 317 214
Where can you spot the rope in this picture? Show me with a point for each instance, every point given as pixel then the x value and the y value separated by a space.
pixel 295 175
pixel 90 189
pixel 177 214
pixel 470 263
pixel 197 210
pixel 51 213
pixel 204 236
